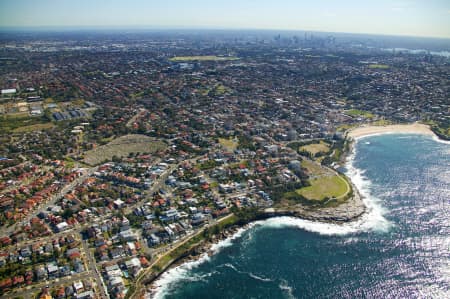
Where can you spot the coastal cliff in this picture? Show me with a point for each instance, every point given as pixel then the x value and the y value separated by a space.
pixel 348 211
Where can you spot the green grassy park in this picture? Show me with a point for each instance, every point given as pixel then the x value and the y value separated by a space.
pixel 325 187
pixel 379 66
pixel 202 58
pixel 357 112
pixel 314 148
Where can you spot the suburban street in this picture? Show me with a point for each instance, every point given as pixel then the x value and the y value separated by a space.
pixel 67 188
pixel 30 291
pixel 93 271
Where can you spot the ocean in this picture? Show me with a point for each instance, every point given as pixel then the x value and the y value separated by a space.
pixel 399 249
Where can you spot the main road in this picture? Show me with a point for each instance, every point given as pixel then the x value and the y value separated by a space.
pixel 102 290
pixel 32 290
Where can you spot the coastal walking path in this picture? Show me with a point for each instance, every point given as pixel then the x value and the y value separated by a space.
pixel 138 282
pixel 349 189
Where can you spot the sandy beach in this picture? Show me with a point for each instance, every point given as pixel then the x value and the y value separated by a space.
pixel 415 128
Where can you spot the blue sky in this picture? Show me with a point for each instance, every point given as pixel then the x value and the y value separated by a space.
pixel 395 17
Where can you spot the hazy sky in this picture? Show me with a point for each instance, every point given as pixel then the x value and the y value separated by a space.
pixel 396 17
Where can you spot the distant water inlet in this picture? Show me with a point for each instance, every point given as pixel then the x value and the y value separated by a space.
pixel 399 249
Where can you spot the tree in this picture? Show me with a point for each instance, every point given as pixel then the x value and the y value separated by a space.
pixel 67 213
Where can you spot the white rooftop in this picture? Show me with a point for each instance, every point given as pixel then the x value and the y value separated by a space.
pixel 9 91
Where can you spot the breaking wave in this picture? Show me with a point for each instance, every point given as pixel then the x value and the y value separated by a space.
pixel 179 273
pixel 286 289
pixel 215 248
pixel 437 139
pixel 260 278
pixel 250 274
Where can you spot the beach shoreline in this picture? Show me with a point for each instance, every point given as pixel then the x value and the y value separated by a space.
pixel 370 130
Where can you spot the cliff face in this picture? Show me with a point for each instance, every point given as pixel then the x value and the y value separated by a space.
pixel 348 211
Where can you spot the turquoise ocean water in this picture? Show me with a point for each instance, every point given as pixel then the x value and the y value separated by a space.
pixel 399 249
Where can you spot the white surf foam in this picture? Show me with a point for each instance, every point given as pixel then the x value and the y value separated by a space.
pixel 215 248
pixel 287 289
pixel 260 278
pixel 231 266
pixel 434 137
pixel 250 274
pixel 357 138
pixel 179 273
pixel 437 139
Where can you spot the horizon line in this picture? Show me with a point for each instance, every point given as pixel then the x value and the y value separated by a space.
pixel 55 28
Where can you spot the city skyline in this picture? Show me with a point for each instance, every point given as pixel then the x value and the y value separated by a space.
pixel 406 17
